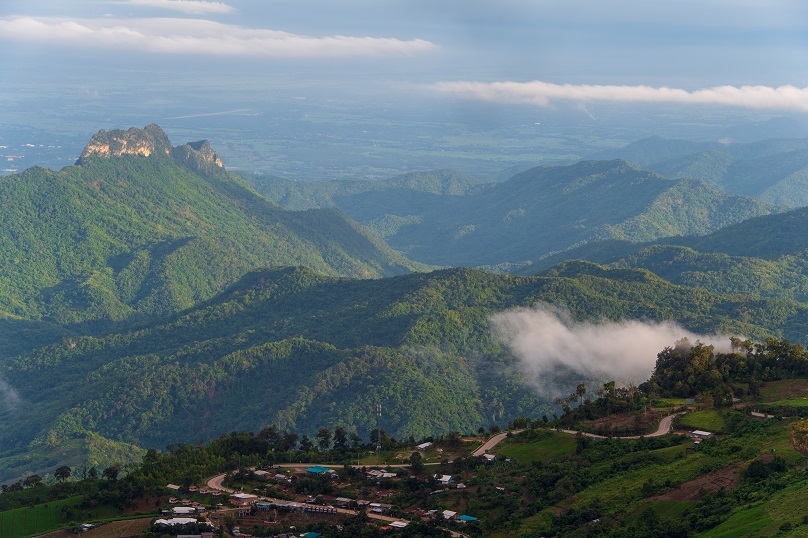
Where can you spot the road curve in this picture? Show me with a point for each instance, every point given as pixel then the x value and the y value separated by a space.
pixel 664 427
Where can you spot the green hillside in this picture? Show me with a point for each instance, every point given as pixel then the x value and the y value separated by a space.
pixel 775 170
pixel 451 221
pixel 300 349
pixel 154 231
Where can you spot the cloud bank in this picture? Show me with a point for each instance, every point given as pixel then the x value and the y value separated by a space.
pixel 194 7
pixel 9 398
pixel 197 37
pixel 549 344
pixel 544 93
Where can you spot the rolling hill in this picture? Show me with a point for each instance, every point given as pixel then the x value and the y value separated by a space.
pixel 774 170
pixel 538 212
pixel 300 349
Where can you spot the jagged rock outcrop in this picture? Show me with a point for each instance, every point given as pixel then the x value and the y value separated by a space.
pixel 148 141
pixel 151 140
pixel 198 156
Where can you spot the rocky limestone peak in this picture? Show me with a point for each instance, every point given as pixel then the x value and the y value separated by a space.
pixel 198 155
pixel 147 141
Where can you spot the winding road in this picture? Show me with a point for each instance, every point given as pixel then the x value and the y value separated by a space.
pixel 664 427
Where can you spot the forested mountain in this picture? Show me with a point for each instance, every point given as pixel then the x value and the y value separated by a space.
pixel 774 170
pixel 139 228
pixel 765 256
pixel 537 212
pixel 303 350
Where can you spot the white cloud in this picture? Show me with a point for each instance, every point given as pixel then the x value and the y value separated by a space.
pixel 194 7
pixel 197 36
pixel 549 343
pixel 544 93
pixel 9 397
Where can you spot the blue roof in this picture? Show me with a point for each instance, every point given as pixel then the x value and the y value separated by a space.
pixel 318 469
pixel 312 534
pixel 466 518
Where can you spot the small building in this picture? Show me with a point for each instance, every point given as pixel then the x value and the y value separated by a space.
pixel 319 470
pixel 399 524
pixel 183 510
pixel 423 446
pixel 443 479
pixel 176 521
pixel 701 433
pixel 175 487
pixel 343 502
pixel 448 514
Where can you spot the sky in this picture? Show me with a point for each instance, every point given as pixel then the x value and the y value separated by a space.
pixel 737 53
pixel 421 78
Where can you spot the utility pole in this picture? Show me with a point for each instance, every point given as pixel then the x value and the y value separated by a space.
pixel 378 429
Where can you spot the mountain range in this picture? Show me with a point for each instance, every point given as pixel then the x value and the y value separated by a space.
pixel 775 170
pixel 150 295
pixel 447 219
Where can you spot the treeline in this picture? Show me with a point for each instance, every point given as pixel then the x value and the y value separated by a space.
pixel 687 369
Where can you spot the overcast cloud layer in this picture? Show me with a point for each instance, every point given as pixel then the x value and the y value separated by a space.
pixel 547 341
pixel 196 37
pixel 543 94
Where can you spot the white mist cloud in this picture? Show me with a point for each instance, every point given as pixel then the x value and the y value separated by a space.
pixel 197 37
pixel 544 93
pixel 548 342
pixel 194 7
pixel 9 397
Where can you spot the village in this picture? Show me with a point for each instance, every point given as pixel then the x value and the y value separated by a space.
pixel 279 500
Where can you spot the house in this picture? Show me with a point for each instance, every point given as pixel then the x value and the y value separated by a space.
pixel 176 521
pixel 183 510
pixel 242 499
pixel 175 487
pixel 343 502
pixel 319 470
pixel 443 479
pixel 702 434
pixel 399 524
pixel 423 446
pixel 448 514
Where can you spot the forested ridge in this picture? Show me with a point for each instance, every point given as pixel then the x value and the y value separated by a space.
pixel 297 348
pixel 446 219
pixel 114 238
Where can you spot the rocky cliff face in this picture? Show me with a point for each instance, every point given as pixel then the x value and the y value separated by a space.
pixel 151 140
pixel 116 143
pixel 198 156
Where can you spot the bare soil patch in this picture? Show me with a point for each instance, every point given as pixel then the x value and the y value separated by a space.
pixel 130 528
pixel 693 490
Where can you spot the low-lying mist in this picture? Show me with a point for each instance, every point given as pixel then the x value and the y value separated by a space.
pixel 551 346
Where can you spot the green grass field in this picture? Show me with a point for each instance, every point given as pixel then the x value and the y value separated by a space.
pixel 788 506
pixel 552 446
pixel 791 402
pixel 708 420
pixel 35 520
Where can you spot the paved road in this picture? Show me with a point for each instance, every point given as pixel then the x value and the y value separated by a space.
pixel 488 445
pixel 664 427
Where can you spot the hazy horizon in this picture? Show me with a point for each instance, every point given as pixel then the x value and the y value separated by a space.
pixel 364 88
